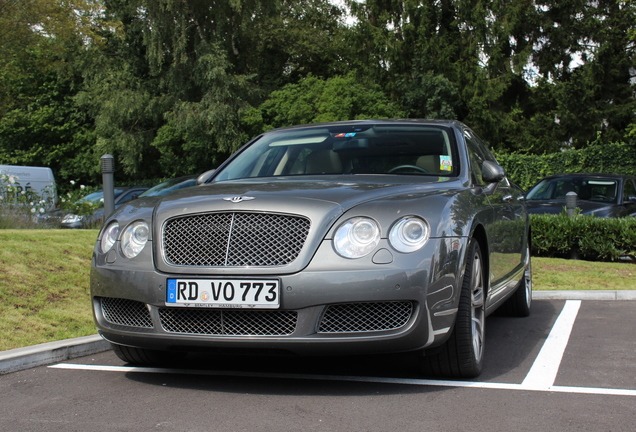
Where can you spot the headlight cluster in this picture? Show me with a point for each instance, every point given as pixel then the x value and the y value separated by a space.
pixel 359 236
pixel 409 234
pixel 133 239
pixel 110 236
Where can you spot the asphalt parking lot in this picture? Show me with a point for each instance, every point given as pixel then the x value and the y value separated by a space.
pixel 571 365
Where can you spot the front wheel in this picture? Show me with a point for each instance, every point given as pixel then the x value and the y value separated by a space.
pixel 462 356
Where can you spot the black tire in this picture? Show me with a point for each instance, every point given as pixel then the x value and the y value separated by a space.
pixel 462 356
pixel 146 357
pixel 520 302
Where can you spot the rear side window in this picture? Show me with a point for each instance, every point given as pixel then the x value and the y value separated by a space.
pixel 629 191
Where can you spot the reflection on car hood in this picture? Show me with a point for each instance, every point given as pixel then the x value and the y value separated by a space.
pixel 556 206
pixel 285 194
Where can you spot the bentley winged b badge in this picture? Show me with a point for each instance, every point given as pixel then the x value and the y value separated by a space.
pixel 238 199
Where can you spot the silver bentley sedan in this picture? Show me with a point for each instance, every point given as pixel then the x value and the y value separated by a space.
pixel 340 238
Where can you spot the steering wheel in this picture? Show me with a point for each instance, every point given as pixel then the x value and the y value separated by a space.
pixel 414 167
pixel 599 198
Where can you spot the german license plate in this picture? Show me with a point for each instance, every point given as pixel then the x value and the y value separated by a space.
pixel 224 293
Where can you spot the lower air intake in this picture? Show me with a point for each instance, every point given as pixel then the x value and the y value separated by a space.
pixel 125 312
pixel 365 317
pixel 228 322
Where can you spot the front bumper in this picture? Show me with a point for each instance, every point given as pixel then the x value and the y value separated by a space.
pixel 328 308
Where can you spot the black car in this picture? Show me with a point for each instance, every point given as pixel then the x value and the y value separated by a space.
pixel 171 185
pixel 122 196
pixel 602 195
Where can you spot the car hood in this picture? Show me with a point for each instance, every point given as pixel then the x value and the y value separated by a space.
pixel 321 199
pixel 556 206
pixel 285 195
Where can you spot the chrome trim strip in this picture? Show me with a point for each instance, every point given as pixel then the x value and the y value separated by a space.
pixel 229 240
pixel 441 331
pixel 446 312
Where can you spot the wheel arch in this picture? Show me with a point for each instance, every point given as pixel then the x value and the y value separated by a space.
pixel 479 234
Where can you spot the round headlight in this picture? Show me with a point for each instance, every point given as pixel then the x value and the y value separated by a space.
pixel 357 237
pixel 109 237
pixel 134 239
pixel 409 234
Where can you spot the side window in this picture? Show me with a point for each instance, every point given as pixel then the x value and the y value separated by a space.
pixel 476 159
pixel 629 191
pixel 485 153
pixel 484 149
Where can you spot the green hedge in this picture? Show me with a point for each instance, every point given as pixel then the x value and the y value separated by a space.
pixel 586 237
pixel 526 169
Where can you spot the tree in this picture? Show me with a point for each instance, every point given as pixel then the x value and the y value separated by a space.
pixel 532 76
pixel 39 124
pixel 172 84
pixel 314 100
pixel 587 54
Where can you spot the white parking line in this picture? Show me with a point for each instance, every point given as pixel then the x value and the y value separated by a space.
pixel 380 380
pixel 545 367
pixel 540 377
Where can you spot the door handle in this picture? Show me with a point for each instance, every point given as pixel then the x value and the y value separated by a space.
pixel 507 198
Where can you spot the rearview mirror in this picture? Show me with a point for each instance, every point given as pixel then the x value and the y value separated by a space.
pixel 491 172
pixel 203 178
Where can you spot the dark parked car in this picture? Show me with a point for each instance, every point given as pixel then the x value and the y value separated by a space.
pixel 171 185
pixel 122 196
pixel 339 238
pixel 602 195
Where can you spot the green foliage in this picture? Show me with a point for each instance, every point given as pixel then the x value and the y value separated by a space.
pixel 25 23
pixel 163 92
pixel 429 96
pixel 525 77
pixel 39 123
pixel 314 100
pixel 527 169
pixel 588 237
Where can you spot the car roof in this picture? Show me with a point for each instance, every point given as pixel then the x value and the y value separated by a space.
pixel 600 175
pixel 431 122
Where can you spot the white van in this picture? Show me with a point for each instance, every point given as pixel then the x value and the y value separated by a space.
pixel 40 180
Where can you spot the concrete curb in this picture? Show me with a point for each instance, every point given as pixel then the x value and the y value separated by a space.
pixel 584 295
pixel 52 352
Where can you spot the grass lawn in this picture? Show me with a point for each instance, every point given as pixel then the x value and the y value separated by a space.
pixel 44 291
pixel 563 274
pixel 44 283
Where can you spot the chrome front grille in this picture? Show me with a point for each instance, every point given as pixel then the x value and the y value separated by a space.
pixel 365 317
pixel 125 312
pixel 228 322
pixel 234 239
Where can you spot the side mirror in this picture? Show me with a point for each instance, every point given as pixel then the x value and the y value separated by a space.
pixel 203 178
pixel 491 172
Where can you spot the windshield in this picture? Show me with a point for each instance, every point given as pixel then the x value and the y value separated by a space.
pixel 359 149
pixel 169 186
pixel 98 197
pixel 586 188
